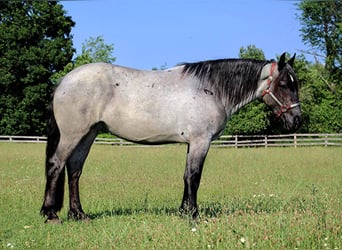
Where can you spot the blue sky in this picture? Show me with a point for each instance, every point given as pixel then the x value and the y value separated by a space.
pixel 151 33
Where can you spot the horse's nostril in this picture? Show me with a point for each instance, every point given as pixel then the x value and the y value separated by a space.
pixel 297 122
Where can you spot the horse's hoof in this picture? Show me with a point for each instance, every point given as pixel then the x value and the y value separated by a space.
pixel 54 221
pixel 189 213
pixel 78 216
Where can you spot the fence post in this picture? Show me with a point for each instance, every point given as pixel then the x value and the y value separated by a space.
pixel 326 140
pixel 295 140
pixel 236 141
pixel 265 141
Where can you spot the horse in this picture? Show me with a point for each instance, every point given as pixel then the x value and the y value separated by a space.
pixel 189 103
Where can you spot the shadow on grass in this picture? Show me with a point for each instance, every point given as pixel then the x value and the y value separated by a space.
pixel 255 205
pixel 135 211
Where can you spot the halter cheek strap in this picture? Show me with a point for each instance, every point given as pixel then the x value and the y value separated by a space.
pixel 269 80
pixel 283 108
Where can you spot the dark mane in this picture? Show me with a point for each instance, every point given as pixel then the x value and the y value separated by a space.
pixel 231 80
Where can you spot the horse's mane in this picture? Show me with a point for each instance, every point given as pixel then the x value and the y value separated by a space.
pixel 231 80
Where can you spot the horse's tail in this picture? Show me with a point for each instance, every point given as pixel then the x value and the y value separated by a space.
pixel 53 135
pixel 51 162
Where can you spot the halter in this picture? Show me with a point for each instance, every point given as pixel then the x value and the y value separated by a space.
pixel 283 108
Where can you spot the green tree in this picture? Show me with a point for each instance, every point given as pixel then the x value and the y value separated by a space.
pixel 251 52
pixel 321 29
pixel 321 101
pixel 322 91
pixel 97 50
pixel 35 42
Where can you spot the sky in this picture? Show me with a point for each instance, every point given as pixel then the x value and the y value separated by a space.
pixel 156 33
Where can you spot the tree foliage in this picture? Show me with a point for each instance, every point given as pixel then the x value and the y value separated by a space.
pixel 251 52
pixel 321 29
pixel 97 50
pixel 35 42
pixel 322 90
pixel 321 101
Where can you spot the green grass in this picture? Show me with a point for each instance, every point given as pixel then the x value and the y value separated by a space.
pixel 249 198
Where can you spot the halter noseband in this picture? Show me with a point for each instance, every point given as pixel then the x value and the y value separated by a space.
pixel 283 108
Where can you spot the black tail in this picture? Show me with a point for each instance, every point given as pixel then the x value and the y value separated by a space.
pixel 53 135
pixel 53 138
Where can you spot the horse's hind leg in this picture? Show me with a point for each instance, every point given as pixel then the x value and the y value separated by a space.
pixel 74 169
pixel 56 154
pixel 54 190
pixel 56 157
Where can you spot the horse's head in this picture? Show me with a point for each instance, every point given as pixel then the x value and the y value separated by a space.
pixel 281 93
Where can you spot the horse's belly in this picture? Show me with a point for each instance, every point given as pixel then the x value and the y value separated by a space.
pixel 144 131
pixel 145 125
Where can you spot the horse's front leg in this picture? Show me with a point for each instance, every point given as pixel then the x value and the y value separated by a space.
pixel 197 152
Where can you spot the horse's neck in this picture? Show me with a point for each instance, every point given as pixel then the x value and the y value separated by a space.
pixel 231 109
pixel 265 77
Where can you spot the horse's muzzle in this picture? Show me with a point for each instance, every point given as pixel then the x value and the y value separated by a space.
pixel 293 123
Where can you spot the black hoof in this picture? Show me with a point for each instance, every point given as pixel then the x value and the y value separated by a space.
pixel 192 213
pixel 52 217
pixel 77 215
pixel 53 221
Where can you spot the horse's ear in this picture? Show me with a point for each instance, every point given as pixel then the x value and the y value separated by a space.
pixel 291 61
pixel 282 63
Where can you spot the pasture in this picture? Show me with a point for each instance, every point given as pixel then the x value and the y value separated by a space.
pixel 249 198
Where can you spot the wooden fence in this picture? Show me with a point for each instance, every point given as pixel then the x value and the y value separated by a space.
pixel 235 141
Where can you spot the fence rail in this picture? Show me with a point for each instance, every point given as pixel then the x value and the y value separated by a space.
pixel 288 140
pixel 235 141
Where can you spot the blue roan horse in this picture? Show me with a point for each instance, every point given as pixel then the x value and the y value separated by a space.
pixel 190 103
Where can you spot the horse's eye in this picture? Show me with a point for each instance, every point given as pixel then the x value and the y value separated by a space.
pixel 283 84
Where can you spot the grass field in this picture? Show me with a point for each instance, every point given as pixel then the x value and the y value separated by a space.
pixel 249 198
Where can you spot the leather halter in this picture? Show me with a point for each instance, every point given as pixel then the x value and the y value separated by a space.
pixel 283 108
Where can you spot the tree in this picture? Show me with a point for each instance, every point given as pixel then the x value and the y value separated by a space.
pixel 320 101
pixel 322 30
pixel 35 42
pixel 251 52
pixel 97 50
pixel 322 89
